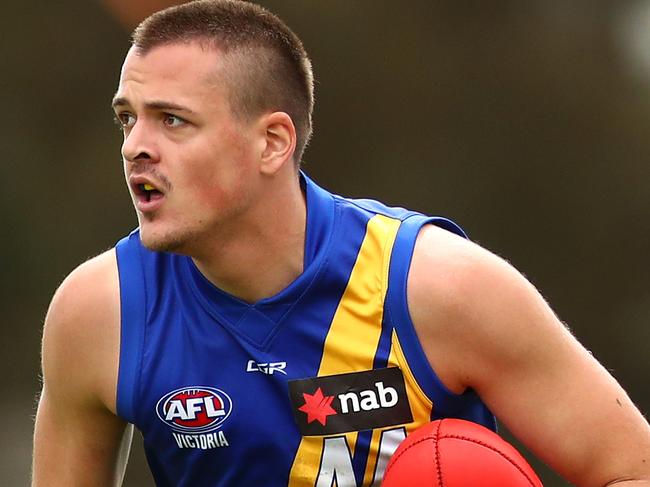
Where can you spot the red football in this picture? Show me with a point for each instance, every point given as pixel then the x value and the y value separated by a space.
pixel 457 453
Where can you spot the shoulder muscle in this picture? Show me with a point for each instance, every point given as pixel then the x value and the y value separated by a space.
pixel 81 332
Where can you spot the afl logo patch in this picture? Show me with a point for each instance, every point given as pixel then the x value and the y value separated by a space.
pixel 194 409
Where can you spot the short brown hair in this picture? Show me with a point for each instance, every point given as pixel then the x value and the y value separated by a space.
pixel 268 66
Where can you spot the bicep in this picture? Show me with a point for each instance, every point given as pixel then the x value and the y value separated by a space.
pixel 78 445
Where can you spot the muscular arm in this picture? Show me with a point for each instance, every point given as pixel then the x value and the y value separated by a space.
pixel 484 326
pixel 79 441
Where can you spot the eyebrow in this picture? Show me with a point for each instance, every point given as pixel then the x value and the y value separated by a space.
pixel 152 105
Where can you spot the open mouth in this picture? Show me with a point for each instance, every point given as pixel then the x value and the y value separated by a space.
pixel 146 192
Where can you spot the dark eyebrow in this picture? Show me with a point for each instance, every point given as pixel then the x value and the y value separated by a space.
pixel 153 105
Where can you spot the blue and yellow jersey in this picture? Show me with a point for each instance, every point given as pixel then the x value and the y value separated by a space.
pixel 315 386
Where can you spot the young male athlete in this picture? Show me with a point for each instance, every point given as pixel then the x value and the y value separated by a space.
pixel 260 331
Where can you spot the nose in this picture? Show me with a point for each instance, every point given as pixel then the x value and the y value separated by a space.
pixel 140 144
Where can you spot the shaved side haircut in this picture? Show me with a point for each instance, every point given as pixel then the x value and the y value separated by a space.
pixel 265 66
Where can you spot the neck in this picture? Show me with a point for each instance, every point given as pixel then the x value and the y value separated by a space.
pixel 265 252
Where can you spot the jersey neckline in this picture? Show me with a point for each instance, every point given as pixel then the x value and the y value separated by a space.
pixel 257 321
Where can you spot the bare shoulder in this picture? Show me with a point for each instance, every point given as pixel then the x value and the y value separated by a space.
pixel 81 333
pixel 91 283
pixel 450 281
pixel 467 302
pixel 448 264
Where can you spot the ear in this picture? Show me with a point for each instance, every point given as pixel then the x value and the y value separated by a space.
pixel 279 135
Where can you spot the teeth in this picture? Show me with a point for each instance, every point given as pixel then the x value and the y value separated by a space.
pixel 147 187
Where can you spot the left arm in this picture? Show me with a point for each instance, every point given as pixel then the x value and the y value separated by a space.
pixel 484 326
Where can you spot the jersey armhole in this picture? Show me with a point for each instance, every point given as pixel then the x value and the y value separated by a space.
pixel 397 305
pixel 132 319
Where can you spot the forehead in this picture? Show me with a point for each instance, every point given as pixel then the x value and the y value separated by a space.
pixel 185 72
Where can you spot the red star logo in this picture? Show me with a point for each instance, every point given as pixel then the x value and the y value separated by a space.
pixel 317 406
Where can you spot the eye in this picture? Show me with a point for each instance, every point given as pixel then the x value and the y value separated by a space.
pixel 173 120
pixel 125 119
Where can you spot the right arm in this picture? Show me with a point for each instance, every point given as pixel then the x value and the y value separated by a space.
pixel 78 439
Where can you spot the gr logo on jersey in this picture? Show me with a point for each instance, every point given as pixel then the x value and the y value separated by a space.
pixel 350 402
pixel 194 409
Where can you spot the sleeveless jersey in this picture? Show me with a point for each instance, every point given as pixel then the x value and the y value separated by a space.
pixel 315 386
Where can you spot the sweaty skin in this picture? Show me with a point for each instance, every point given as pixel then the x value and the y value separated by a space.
pixel 230 195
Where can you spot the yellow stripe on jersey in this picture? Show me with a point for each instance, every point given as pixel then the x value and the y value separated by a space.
pixel 421 407
pixel 353 337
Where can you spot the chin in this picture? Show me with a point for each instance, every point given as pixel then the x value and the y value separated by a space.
pixel 170 242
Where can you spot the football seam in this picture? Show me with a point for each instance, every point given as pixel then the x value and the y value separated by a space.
pixel 417 442
pixel 436 438
pixel 490 447
pixel 437 450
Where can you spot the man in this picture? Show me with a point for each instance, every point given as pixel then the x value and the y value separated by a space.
pixel 259 330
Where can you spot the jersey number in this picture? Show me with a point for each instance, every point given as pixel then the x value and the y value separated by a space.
pixel 336 462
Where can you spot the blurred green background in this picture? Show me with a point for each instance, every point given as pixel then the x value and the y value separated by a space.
pixel 526 121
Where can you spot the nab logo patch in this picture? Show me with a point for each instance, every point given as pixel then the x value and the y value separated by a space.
pixel 194 409
pixel 350 402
